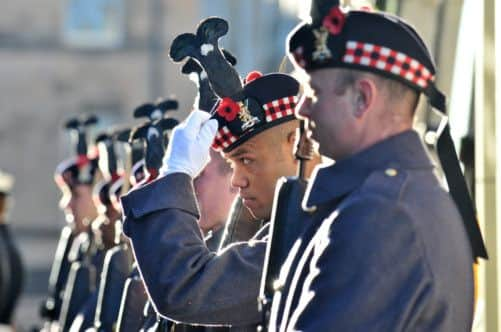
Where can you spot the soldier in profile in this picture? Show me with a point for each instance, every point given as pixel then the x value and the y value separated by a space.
pixel 390 249
pixel 255 129
pixel 75 178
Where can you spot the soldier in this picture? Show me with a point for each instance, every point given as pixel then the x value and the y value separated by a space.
pixel 11 266
pixel 120 278
pixel 214 220
pixel 133 298
pixel 75 177
pixel 385 249
pixel 100 241
pixel 104 225
pixel 216 224
pixel 186 281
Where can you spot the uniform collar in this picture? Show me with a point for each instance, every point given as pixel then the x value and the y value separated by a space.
pixel 404 150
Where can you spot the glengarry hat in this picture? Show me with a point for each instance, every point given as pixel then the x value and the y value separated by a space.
pixel 82 168
pixel 244 108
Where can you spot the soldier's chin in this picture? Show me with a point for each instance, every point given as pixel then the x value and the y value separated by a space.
pixel 259 213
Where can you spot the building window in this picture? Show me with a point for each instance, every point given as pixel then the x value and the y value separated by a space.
pixel 93 23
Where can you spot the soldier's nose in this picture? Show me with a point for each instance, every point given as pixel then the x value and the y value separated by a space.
pixel 238 181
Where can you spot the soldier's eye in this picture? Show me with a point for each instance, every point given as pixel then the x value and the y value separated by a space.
pixel 245 161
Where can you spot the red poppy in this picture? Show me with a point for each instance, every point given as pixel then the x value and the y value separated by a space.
pixel 252 76
pixel 334 21
pixel 228 109
pixel 115 176
pixel 82 160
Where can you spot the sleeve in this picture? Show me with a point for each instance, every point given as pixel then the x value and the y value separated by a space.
pixel 366 273
pixel 186 281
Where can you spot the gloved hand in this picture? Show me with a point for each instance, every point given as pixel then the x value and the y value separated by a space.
pixel 188 150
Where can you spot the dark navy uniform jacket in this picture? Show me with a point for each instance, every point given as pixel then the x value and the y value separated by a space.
pixel 186 281
pixel 390 254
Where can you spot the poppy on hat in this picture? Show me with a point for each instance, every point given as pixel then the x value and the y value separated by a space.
pixel 82 168
pixel 245 109
pixel 267 101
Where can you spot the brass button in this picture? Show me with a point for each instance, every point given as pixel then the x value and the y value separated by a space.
pixel 391 172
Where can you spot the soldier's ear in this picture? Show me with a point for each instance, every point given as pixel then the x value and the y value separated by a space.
pixel 291 136
pixel 363 98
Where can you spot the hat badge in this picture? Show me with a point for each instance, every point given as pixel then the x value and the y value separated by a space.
pixel 321 52
pixel 248 121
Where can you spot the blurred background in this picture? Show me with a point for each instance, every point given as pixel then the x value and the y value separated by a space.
pixel 59 58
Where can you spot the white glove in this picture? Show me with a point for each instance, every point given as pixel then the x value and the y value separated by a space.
pixel 188 150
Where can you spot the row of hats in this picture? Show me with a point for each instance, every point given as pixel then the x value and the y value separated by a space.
pixel 334 38
pixel 144 146
pixel 147 143
pixel 244 108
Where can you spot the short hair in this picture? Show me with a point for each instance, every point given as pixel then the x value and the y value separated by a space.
pixel 346 78
pixel 281 134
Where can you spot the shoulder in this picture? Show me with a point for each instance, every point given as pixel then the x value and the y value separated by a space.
pixel 374 219
pixel 370 217
pixel 396 215
pixel 376 201
pixel 386 184
pixel 397 197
